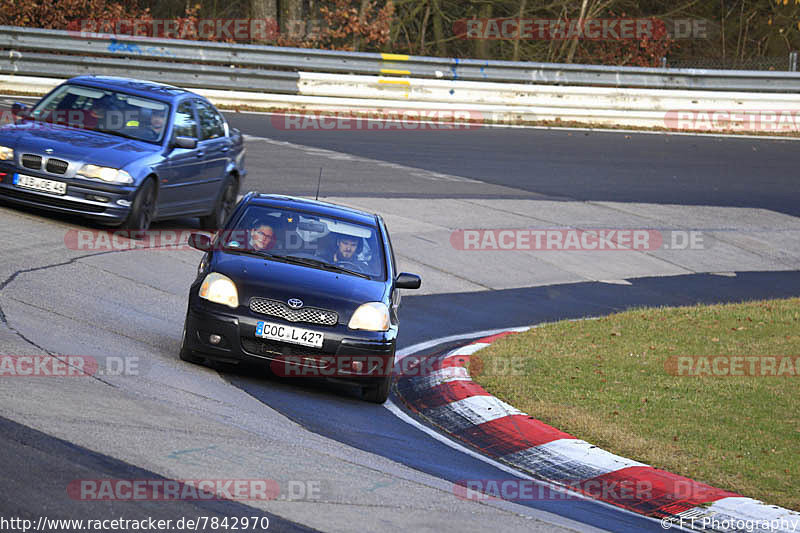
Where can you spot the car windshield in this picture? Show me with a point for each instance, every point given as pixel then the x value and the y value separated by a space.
pixel 104 110
pixel 312 240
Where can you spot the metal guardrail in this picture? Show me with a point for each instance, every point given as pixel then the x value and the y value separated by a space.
pixel 270 68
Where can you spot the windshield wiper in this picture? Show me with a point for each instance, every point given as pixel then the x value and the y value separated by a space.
pixel 249 251
pixel 323 264
pixel 117 132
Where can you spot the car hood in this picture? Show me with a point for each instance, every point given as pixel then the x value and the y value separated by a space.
pixel 255 276
pixel 74 144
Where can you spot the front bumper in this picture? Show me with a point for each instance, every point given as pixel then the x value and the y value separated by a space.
pixel 78 199
pixel 341 345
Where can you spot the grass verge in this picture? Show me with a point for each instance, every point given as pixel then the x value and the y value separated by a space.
pixel 614 382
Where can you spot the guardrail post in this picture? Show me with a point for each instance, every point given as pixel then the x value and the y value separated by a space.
pixel 664 62
pixel 793 61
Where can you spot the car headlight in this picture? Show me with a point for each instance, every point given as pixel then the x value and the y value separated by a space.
pixel 111 175
pixel 219 289
pixel 6 153
pixel 371 316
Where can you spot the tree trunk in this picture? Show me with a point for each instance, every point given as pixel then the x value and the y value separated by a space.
pixel 438 29
pixel 265 10
pixel 362 18
pixel 482 45
pixel 521 12
pixel 291 15
pixel 574 43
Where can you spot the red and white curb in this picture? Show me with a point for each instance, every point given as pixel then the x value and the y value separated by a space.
pixel 447 398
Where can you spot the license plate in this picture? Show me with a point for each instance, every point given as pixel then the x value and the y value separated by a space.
pixel 291 334
pixel 40 184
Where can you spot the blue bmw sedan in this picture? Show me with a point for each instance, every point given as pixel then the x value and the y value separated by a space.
pixel 306 288
pixel 123 152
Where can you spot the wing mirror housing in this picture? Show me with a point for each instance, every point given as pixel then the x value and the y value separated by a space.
pixel 408 281
pixel 189 143
pixel 200 241
pixel 19 110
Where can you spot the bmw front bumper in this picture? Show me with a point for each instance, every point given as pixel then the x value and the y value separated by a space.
pixel 96 201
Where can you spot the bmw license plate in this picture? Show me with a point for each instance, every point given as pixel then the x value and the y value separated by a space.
pixel 40 184
pixel 291 334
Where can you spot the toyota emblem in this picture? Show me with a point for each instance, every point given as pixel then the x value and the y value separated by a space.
pixel 295 303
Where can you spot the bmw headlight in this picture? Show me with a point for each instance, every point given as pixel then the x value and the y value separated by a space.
pixel 219 289
pixel 111 175
pixel 371 316
pixel 6 153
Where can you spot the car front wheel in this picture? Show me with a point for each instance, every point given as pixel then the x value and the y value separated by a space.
pixel 377 393
pixel 143 208
pixel 223 208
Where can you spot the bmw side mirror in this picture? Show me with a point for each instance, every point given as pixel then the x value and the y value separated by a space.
pixel 408 281
pixel 18 109
pixel 189 143
pixel 200 241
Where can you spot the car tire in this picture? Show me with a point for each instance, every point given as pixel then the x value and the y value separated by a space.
pixel 143 208
pixel 224 206
pixel 379 393
pixel 186 354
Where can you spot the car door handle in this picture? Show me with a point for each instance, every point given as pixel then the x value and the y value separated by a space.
pixel 201 153
pixel 226 148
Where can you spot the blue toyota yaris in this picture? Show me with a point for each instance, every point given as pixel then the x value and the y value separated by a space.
pixel 123 152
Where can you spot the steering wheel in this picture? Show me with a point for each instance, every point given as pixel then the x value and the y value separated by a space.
pixel 351 265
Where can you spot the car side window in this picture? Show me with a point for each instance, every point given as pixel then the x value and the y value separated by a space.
pixel 212 125
pixel 185 123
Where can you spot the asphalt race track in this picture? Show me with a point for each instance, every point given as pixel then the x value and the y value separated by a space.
pixel 577 165
pixel 373 471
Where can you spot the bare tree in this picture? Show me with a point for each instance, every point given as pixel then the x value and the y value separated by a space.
pixel 264 9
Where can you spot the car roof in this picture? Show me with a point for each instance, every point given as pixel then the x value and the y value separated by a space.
pixel 143 88
pixel 313 206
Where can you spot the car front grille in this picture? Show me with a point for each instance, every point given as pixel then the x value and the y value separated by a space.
pixel 311 315
pixel 32 161
pixel 280 349
pixel 56 166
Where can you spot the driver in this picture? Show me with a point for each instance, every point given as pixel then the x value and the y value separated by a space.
pixel 346 249
pixel 157 119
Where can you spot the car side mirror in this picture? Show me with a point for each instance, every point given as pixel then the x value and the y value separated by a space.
pixel 200 241
pixel 190 143
pixel 18 109
pixel 408 281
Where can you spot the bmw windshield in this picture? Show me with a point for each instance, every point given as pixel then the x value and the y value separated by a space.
pixel 104 110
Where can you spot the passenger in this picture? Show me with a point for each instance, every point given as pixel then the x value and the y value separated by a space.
pixel 262 237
